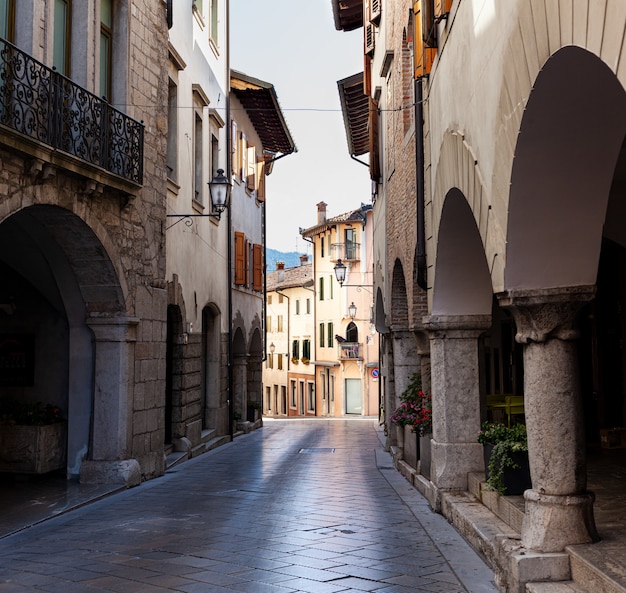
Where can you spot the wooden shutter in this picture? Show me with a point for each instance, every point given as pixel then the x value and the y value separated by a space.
pixel 240 259
pixel 234 146
pixel 442 8
pixel 257 276
pixel 260 193
pixel 251 173
pixel 423 56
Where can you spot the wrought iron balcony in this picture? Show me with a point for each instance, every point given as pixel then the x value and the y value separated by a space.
pixel 349 251
pixel 38 102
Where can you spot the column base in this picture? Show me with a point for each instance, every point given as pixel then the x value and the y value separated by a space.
pixel 452 462
pixel 552 522
pixel 126 472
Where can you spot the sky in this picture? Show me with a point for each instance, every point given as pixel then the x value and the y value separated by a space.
pixel 293 44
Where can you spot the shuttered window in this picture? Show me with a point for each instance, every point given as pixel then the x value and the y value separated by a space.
pixel 257 266
pixel 240 259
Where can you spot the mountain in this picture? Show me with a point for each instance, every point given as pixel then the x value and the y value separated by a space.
pixel 291 258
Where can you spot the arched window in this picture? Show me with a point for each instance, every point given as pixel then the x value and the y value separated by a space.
pixel 352 332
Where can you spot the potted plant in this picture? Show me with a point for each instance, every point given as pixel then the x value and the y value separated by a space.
pixel 416 412
pixel 305 360
pixel 33 437
pixel 294 360
pixel 506 457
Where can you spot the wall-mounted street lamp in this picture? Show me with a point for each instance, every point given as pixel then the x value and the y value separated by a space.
pixel 352 310
pixel 340 272
pixel 272 348
pixel 219 188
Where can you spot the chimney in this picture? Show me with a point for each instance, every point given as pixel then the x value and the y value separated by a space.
pixel 280 265
pixel 321 212
pixel 304 259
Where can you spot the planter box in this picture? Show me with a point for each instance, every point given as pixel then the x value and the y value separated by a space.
pixel 515 480
pixel 33 449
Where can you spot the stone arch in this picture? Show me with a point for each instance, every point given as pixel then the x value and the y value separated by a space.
pixel 399 303
pixel 460 174
pixel 67 263
pixel 462 279
pixel 565 158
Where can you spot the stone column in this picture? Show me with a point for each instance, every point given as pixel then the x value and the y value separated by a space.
pixel 456 398
pixel 111 441
pixel 405 363
pixel 240 384
pixel 559 510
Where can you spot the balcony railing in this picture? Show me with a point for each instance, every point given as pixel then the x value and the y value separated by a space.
pixel 345 251
pixel 350 351
pixel 40 103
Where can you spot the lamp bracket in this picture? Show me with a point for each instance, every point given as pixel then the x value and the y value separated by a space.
pixel 188 218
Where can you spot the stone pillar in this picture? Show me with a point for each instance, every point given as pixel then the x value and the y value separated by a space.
pixel 423 350
pixel 111 440
pixel 456 398
pixel 405 363
pixel 559 510
pixel 240 384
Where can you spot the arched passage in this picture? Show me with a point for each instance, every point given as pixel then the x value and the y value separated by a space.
pixel 462 279
pixel 72 303
pixel 564 167
pixel 569 141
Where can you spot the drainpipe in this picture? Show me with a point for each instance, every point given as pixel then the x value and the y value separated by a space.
pixel 419 182
pixel 231 404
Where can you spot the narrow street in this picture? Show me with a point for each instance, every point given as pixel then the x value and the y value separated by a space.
pixel 299 505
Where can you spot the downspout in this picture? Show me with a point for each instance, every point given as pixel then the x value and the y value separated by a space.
pixel 419 182
pixel 231 404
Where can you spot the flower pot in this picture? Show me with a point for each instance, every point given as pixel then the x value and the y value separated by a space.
pixel 33 449
pixel 515 480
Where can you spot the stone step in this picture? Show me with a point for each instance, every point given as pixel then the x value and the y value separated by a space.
pixel 561 587
pixel 599 568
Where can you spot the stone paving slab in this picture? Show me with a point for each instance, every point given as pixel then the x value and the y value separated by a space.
pixel 258 515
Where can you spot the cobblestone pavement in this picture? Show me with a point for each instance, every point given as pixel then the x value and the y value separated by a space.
pixel 308 506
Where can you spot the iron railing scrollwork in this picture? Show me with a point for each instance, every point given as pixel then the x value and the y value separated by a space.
pixel 40 103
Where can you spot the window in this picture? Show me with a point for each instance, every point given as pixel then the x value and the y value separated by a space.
pixel 322 246
pixel 268 319
pixel 7 20
pixel 280 323
pixel 270 361
pixel 240 259
pixel 308 306
pixel 301 397
pixel 257 267
pixel 269 300
pixel 283 399
pixel 292 398
pixel 350 239
pixel 106 47
pixel 280 299
pixel 235 148
pixel 311 396
pixel 297 306
pixel 61 36
pixel 330 286
pixel 321 289
pixel 280 362
pixel 322 335
pixel 268 398
pixel 330 334
pixel 172 130
pixel 295 349
pixel 250 174
pixel 306 349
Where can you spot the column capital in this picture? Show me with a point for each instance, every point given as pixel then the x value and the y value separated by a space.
pixel 113 329
pixel 457 326
pixel 541 315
